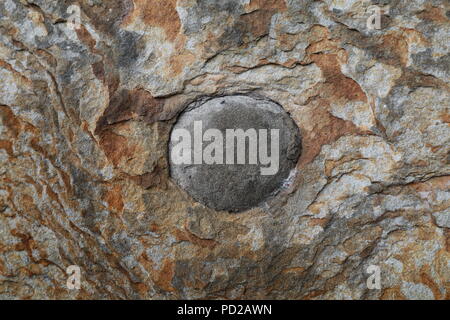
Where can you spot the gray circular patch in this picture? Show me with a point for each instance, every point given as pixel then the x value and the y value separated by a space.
pixel 230 169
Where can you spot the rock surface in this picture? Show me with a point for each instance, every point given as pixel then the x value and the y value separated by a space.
pixel 254 167
pixel 85 118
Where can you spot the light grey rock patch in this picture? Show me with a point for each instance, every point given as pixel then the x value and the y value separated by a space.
pixel 236 187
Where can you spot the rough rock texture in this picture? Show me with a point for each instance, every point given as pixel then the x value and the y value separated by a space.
pixel 243 183
pixel 85 120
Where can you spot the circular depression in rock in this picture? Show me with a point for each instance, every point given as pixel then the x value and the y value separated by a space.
pixel 232 153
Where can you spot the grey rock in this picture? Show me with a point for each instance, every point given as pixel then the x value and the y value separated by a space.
pixel 236 187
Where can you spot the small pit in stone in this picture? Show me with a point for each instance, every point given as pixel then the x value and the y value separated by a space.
pixel 226 168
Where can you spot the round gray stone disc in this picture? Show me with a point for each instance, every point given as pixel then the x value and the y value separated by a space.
pixel 236 187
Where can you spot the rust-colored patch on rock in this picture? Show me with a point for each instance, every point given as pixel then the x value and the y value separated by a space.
pixel 126 105
pixel 26 243
pixel 447 236
pixel 259 14
pixel 106 16
pixel 163 278
pixel 257 22
pixel 7 146
pixel 321 46
pixel 116 147
pixel 445 117
pixel 156 178
pixel 266 5
pixel 326 130
pixel 337 84
pixel 392 294
pixel 2 267
pixel 178 61
pixel 114 199
pixel 428 281
pixel 5 65
pixel 433 14
pixel 395 49
pixel 322 127
pixel 331 164
pixel 10 121
pixel 85 37
pixel 295 270
pixel 157 13
pixel 187 236
pixel 438 183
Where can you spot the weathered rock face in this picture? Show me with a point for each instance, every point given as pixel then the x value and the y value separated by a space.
pixel 85 119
